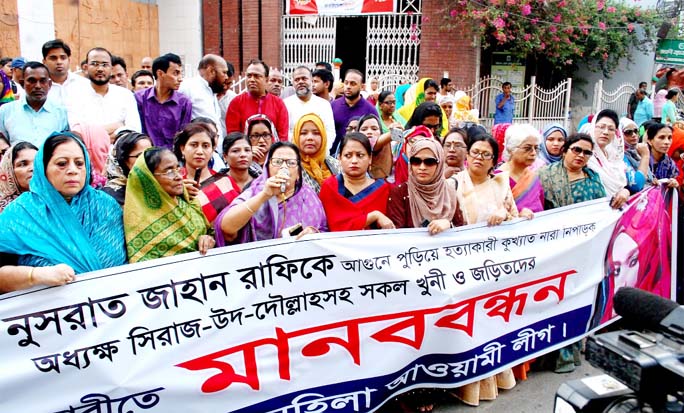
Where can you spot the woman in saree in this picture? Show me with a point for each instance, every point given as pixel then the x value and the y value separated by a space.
pixel 160 220
pixel 521 145
pixel 381 163
pixel 128 147
pixel 608 158
pixel 61 219
pixel 263 211
pixel 425 90
pixel 659 139
pixel 353 200
pixel 310 137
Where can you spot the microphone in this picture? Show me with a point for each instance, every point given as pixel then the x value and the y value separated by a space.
pixel 647 310
pixel 284 171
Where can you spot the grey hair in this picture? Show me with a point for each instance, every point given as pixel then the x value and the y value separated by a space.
pixel 516 134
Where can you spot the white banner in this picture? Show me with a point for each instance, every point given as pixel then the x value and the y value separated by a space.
pixel 339 7
pixel 338 321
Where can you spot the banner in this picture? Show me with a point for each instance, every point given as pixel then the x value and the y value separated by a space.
pixel 339 7
pixel 333 322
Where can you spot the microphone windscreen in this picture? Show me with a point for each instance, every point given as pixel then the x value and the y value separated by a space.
pixel 642 308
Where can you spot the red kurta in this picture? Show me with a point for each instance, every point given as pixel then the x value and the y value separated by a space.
pixel 349 214
pixel 245 105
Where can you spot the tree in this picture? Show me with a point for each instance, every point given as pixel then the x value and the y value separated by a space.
pixel 597 33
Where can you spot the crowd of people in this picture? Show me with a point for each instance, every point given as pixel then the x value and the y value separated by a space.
pixel 97 171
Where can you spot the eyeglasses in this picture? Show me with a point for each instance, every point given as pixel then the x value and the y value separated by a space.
pixel 579 151
pixel 100 64
pixel 529 148
pixel 136 156
pixel 483 155
pixel 171 173
pixel 389 102
pixel 629 131
pixel 603 127
pixel 280 161
pixel 454 145
pixel 416 161
pixel 259 136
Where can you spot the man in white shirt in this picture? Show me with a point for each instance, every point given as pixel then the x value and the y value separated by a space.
pixel 104 104
pixel 202 90
pixel 56 56
pixel 304 102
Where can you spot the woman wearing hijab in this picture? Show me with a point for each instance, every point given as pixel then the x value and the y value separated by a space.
pixel 128 147
pixel 462 111
pixel 659 138
pixel 425 90
pixel 636 157
pixel 261 133
pixel 16 170
pixel 160 220
pixel 401 169
pixel 550 151
pixel 310 137
pixel 62 219
pixel 608 160
pixel 264 211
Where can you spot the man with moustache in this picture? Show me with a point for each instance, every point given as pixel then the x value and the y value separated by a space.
pixel 275 82
pixel 202 90
pixel 322 81
pixel 257 100
pixel 304 102
pixel 163 110
pixel 352 105
pixel 33 117
pixel 103 104
pixel 119 72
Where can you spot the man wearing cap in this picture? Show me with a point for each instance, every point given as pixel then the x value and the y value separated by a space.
pixel 33 118
pixel 18 77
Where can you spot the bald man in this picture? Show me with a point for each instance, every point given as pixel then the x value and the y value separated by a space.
pixel 146 63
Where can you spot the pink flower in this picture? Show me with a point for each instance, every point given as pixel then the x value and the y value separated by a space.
pixel 553 29
pixel 453 13
pixel 499 23
pixel 542 46
pixel 527 37
pixel 611 9
pixel 534 21
pixel 602 26
pixel 526 10
pixel 562 3
pixel 557 18
pixel 568 62
pixel 501 37
pixel 600 5
pixel 630 27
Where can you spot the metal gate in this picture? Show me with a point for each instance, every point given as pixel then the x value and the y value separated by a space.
pixel 392 48
pixel 616 99
pixel 307 40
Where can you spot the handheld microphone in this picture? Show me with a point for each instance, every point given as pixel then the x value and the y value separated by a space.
pixel 285 173
pixel 647 310
pixel 198 173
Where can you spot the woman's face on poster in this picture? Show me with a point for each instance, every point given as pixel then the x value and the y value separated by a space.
pixel 625 258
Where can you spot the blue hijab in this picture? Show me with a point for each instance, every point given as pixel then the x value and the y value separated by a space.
pixel 548 130
pixel 43 229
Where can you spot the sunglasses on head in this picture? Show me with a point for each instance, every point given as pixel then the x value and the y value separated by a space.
pixel 578 151
pixel 415 161
pixel 629 131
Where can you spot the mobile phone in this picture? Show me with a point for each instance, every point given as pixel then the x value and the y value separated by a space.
pixel 396 134
pixel 425 223
pixel 198 172
pixel 296 230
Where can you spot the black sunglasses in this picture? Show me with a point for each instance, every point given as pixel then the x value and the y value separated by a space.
pixel 577 150
pixel 629 131
pixel 415 161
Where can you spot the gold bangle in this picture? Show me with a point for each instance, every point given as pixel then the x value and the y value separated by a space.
pixel 248 208
pixel 30 276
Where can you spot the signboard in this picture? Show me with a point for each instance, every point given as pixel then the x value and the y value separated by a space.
pixel 337 322
pixel 670 52
pixel 339 7
pixel 509 68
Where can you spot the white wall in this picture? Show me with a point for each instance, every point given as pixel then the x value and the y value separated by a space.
pixel 180 31
pixel 36 26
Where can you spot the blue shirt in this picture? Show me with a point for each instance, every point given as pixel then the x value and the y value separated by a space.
pixel 19 122
pixel 644 111
pixel 505 114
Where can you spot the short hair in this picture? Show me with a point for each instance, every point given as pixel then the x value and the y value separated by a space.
pixel 641 91
pixel 140 73
pixel 231 69
pixel 444 82
pixel 101 49
pixel 504 84
pixel 35 65
pixel 516 134
pixel 431 84
pixel 485 137
pixel 610 114
pixel 302 67
pixel 259 62
pixel 574 138
pixel 327 65
pixel 125 142
pixel 118 60
pixel 190 130
pixel 56 44
pixel 326 76
pixel 672 93
pixel 642 85
pixel 358 137
pixel 164 61
pixel 653 130
pixel 153 157
pixel 357 71
pixel 232 139
pixel 5 60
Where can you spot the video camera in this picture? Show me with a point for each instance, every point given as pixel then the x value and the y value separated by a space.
pixel 646 360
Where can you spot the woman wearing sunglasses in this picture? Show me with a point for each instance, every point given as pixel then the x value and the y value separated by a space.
pixel 636 156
